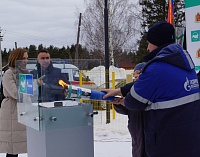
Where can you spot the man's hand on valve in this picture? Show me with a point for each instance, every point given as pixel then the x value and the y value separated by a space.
pixel 40 81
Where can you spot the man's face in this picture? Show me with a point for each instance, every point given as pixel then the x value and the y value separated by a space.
pixel 151 47
pixel 43 59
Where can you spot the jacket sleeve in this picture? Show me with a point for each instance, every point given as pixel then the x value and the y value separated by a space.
pixel 126 88
pixel 121 109
pixel 144 90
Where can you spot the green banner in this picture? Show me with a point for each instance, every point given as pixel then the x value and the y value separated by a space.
pixel 22 83
pixel 197 68
pixel 191 3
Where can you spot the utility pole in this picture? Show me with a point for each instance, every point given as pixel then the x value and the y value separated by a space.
pixel 77 42
pixel 15 45
pixel 107 56
pixel 1 39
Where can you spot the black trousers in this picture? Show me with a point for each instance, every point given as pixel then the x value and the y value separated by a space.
pixel 11 155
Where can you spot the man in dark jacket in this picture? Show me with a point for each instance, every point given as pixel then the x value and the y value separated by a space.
pixel 168 92
pixel 48 77
pixel 135 120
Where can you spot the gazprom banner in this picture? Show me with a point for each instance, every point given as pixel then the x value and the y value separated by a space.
pixel 192 13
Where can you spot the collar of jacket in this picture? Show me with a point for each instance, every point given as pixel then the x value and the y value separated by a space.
pixel 48 70
pixel 152 54
pixel 171 54
pixel 13 69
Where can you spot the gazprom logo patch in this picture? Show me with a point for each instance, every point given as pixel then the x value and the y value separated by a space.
pixel 191 84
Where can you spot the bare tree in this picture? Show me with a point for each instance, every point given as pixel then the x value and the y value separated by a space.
pixel 124 25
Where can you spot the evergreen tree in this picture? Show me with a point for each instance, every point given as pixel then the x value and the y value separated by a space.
pixel 32 51
pixel 72 51
pixel 40 47
pixel 83 53
pixel 5 55
pixel 68 52
pixel 179 13
pixel 63 53
pixel 142 50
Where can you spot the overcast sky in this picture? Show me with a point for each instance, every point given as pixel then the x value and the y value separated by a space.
pixel 47 22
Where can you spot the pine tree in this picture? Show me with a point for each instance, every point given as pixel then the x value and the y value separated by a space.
pixel 179 13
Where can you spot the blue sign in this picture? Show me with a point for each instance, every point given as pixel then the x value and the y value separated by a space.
pixel 26 83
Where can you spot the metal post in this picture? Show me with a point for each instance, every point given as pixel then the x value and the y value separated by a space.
pixel 110 36
pixel 77 42
pixel 106 57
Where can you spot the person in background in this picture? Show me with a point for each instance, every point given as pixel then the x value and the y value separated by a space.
pixel 138 70
pixel 135 120
pixel 12 134
pixel 48 77
pixel 168 93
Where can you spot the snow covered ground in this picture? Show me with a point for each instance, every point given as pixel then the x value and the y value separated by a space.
pixel 108 143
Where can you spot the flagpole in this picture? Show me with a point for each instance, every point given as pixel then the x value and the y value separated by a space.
pixel 106 57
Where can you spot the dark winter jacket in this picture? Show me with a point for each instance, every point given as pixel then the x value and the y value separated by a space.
pixel 168 92
pixel 1 90
pixel 199 78
pixel 135 127
pixel 50 90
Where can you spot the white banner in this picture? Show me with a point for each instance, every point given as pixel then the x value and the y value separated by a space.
pixel 192 13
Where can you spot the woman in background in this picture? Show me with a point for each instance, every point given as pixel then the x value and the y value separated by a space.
pixel 12 134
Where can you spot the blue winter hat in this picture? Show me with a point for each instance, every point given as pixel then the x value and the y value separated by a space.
pixel 139 66
pixel 161 33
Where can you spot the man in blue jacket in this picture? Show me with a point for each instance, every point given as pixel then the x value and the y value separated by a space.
pixel 168 92
pixel 48 77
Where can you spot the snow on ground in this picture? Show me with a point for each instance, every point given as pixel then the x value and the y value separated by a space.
pixel 108 143
pixel 112 139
